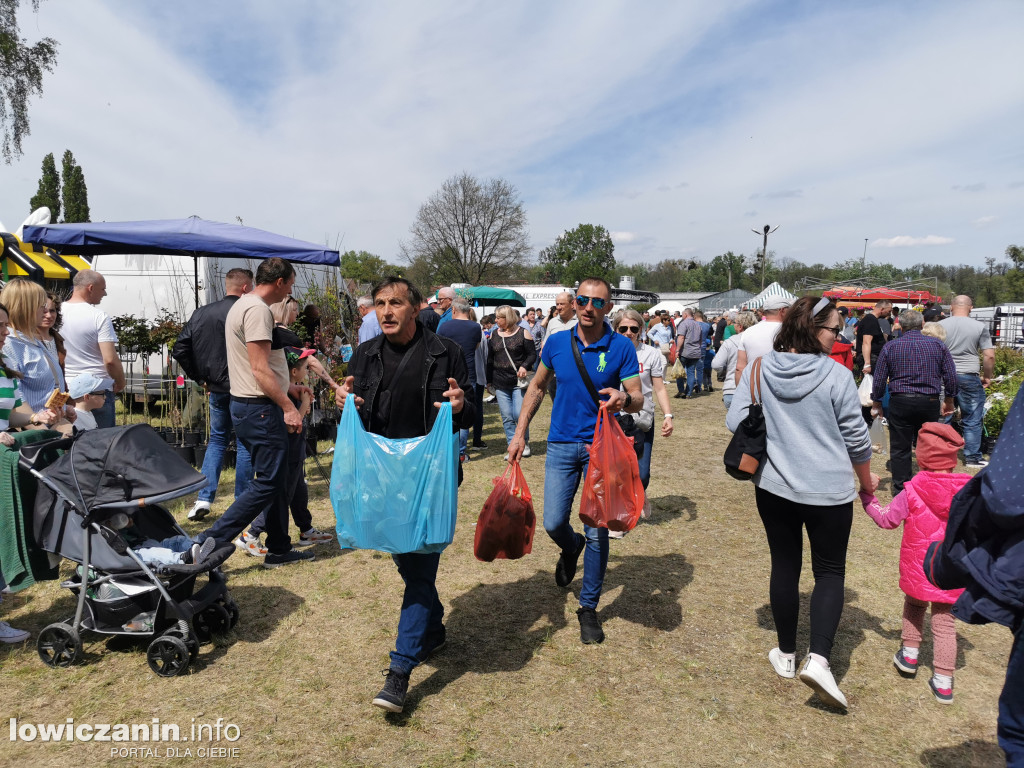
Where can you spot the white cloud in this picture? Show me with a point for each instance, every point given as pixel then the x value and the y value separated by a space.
pixel 906 241
pixel 984 221
pixel 621 238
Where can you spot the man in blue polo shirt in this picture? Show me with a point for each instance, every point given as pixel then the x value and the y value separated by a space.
pixel 610 360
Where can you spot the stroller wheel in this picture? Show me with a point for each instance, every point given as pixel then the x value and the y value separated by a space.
pixel 192 642
pixel 214 620
pixel 59 645
pixel 168 656
pixel 232 607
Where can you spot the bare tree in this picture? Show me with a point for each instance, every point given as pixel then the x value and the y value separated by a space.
pixel 470 231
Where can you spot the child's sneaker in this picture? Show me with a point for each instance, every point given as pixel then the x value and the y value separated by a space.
pixel 250 545
pixel 9 634
pixel 905 666
pixel 314 536
pixel 942 688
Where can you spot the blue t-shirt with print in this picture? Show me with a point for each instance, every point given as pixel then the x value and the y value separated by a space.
pixel 609 361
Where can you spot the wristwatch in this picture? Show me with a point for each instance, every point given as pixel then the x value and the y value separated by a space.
pixel 629 401
pixel 669 416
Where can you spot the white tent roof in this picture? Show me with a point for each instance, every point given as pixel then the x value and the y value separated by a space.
pixel 771 291
pixel 672 306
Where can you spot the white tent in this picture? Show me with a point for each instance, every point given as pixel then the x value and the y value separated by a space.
pixel 770 292
pixel 672 306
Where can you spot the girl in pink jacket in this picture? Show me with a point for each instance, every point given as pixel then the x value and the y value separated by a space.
pixel 923 508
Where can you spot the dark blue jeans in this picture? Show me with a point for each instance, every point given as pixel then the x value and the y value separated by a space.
pixel 297 492
pixel 970 396
pixel 1010 727
pixel 261 428
pixel 221 433
pixel 420 622
pixel 564 466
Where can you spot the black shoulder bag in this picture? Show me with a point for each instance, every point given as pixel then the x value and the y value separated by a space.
pixel 749 442
pixel 625 420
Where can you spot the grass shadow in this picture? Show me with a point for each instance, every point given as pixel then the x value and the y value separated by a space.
pixel 969 754
pixel 651 589
pixel 493 628
pixel 667 508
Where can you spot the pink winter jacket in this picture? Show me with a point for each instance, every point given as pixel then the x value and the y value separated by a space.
pixel 923 507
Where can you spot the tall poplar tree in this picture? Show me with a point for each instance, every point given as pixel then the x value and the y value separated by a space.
pixel 74 193
pixel 48 193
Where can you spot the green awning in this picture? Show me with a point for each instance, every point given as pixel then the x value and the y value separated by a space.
pixel 489 296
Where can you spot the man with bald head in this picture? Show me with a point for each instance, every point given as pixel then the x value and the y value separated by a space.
pixel 966 338
pixel 91 341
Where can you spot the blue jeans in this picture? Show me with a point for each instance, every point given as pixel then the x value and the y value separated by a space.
pixel 564 466
pixel 687 386
pixel 970 396
pixel 420 622
pixel 645 459
pixel 104 415
pixel 510 402
pixel 1010 727
pixel 297 492
pixel 260 426
pixel 220 435
pixel 698 373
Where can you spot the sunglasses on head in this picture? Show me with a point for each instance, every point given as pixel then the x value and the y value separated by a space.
pixel 629 329
pixel 581 301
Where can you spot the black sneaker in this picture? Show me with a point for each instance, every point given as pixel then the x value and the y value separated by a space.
pixel 590 626
pixel 565 570
pixel 286 558
pixel 434 643
pixel 392 695
pixel 479 444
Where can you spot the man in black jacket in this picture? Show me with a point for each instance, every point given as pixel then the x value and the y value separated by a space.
pixel 399 380
pixel 201 353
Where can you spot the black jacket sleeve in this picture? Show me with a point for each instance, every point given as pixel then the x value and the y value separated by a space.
pixel 183 353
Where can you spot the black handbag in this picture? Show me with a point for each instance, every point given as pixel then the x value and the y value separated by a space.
pixel 626 420
pixel 749 443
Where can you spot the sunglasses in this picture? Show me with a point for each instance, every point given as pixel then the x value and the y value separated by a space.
pixel 581 301
pixel 628 328
pixel 835 330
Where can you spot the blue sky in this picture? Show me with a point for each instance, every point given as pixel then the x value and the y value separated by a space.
pixel 679 126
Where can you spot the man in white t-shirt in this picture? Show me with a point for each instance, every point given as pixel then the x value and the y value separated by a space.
pixel 91 342
pixel 759 339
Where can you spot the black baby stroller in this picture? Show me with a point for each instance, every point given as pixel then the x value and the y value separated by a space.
pixel 103 472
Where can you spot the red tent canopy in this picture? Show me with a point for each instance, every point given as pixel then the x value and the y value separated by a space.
pixel 871 295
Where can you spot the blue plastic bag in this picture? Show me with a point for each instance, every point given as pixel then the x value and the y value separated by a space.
pixel 395 495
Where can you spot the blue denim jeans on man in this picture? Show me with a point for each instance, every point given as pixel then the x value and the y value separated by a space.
pixel 260 426
pixel 970 396
pixel 420 623
pixel 510 403
pixel 104 415
pixel 221 432
pixel 564 466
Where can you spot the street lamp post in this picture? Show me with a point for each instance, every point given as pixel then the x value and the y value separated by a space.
pixel 764 252
pixel 864 258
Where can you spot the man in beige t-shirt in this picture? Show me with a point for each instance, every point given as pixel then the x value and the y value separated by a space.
pixel 261 413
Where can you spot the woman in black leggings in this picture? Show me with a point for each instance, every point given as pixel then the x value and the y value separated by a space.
pixel 814 428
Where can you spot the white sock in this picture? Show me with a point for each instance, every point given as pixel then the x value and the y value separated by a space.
pixel 789 656
pixel 820 659
pixel 943 682
pixel 910 653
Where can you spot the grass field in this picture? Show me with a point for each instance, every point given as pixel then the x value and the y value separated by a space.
pixel 682 678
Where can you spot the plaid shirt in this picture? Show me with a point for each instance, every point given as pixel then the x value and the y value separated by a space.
pixel 914 364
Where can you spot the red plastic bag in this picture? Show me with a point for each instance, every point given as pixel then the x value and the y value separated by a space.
pixel 505 527
pixel 613 495
pixel 672 352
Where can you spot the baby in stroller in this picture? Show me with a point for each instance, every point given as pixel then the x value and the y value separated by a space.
pixel 173 549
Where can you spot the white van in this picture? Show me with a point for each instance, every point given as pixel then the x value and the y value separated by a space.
pixel 1004 322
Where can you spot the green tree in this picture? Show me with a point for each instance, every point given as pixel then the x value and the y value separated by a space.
pixel 1015 254
pixel 48 193
pixel 587 251
pixel 21 76
pixel 365 268
pixel 74 193
pixel 470 231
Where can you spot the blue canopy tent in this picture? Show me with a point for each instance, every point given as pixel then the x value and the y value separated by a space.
pixel 193 237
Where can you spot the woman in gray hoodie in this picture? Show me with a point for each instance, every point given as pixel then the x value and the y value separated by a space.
pixel 813 419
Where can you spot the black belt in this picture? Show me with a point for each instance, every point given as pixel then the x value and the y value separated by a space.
pixel 253 400
pixel 914 394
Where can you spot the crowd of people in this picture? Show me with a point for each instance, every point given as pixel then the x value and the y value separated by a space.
pixel 254 368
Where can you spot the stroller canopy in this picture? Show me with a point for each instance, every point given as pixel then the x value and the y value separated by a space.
pixel 114 466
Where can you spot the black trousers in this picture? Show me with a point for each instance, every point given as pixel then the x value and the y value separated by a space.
pixel 907 414
pixel 828 529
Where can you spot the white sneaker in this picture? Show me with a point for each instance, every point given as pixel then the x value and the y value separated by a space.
pixel 526 451
pixel 250 545
pixel 785 666
pixel 820 679
pixel 199 510
pixel 9 634
pixel 616 534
